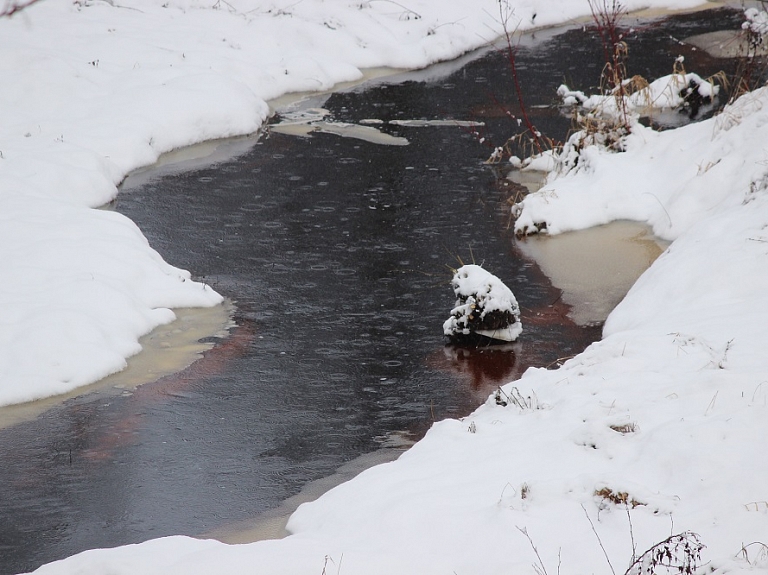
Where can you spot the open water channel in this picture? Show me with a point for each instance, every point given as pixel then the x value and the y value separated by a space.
pixel 335 252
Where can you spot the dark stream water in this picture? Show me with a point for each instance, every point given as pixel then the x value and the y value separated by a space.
pixel 334 251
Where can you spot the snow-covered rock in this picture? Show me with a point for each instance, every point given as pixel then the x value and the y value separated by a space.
pixel 484 307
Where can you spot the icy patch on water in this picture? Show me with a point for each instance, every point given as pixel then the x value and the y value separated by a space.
pixel 431 123
pixel 305 122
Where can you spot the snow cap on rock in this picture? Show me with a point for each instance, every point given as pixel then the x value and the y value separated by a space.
pixel 484 307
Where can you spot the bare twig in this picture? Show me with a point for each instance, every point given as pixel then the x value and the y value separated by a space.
pixel 762 550
pixel 407 11
pixel 631 534
pixel 599 540
pixel 505 14
pixel 540 567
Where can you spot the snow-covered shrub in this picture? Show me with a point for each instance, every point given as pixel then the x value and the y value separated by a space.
pixel 595 131
pixel 605 120
pixel 677 91
pixel 679 554
pixel 484 307
pixel 513 396
pixel 752 63
pixel 756 23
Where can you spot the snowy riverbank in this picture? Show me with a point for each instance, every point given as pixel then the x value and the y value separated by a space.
pixel 97 89
pixel 668 411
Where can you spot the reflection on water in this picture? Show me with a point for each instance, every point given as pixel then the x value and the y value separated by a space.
pixel 481 369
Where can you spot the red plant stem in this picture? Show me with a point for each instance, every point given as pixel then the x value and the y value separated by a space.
pixel 511 58
pixel 597 17
pixel 607 23
pixel 12 7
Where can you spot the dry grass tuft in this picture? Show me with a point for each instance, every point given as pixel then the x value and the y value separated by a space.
pixel 625 428
pixel 617 497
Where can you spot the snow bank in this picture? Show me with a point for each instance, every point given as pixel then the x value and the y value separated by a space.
pixel 81 287
pixel 670 181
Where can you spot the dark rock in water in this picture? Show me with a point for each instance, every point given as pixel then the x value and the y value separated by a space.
pixel 485 308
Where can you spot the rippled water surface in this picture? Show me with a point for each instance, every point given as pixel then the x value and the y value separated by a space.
pixel 335 252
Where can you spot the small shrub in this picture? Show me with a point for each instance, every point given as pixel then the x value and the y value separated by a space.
pixel 679 554
pixel 514 397
pixel 759 555
pixel 607 18
pixel 530 141
pixel 752 63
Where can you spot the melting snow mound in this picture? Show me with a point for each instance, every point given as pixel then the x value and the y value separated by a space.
pixel 484 307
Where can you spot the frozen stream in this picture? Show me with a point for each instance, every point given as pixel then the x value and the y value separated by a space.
pixel 334 251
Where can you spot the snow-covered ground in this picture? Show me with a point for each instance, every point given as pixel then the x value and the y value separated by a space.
pixel 668 412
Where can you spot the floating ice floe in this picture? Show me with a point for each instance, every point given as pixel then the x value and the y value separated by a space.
pixel 485 308
pixel 438 123
pixel 305 122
